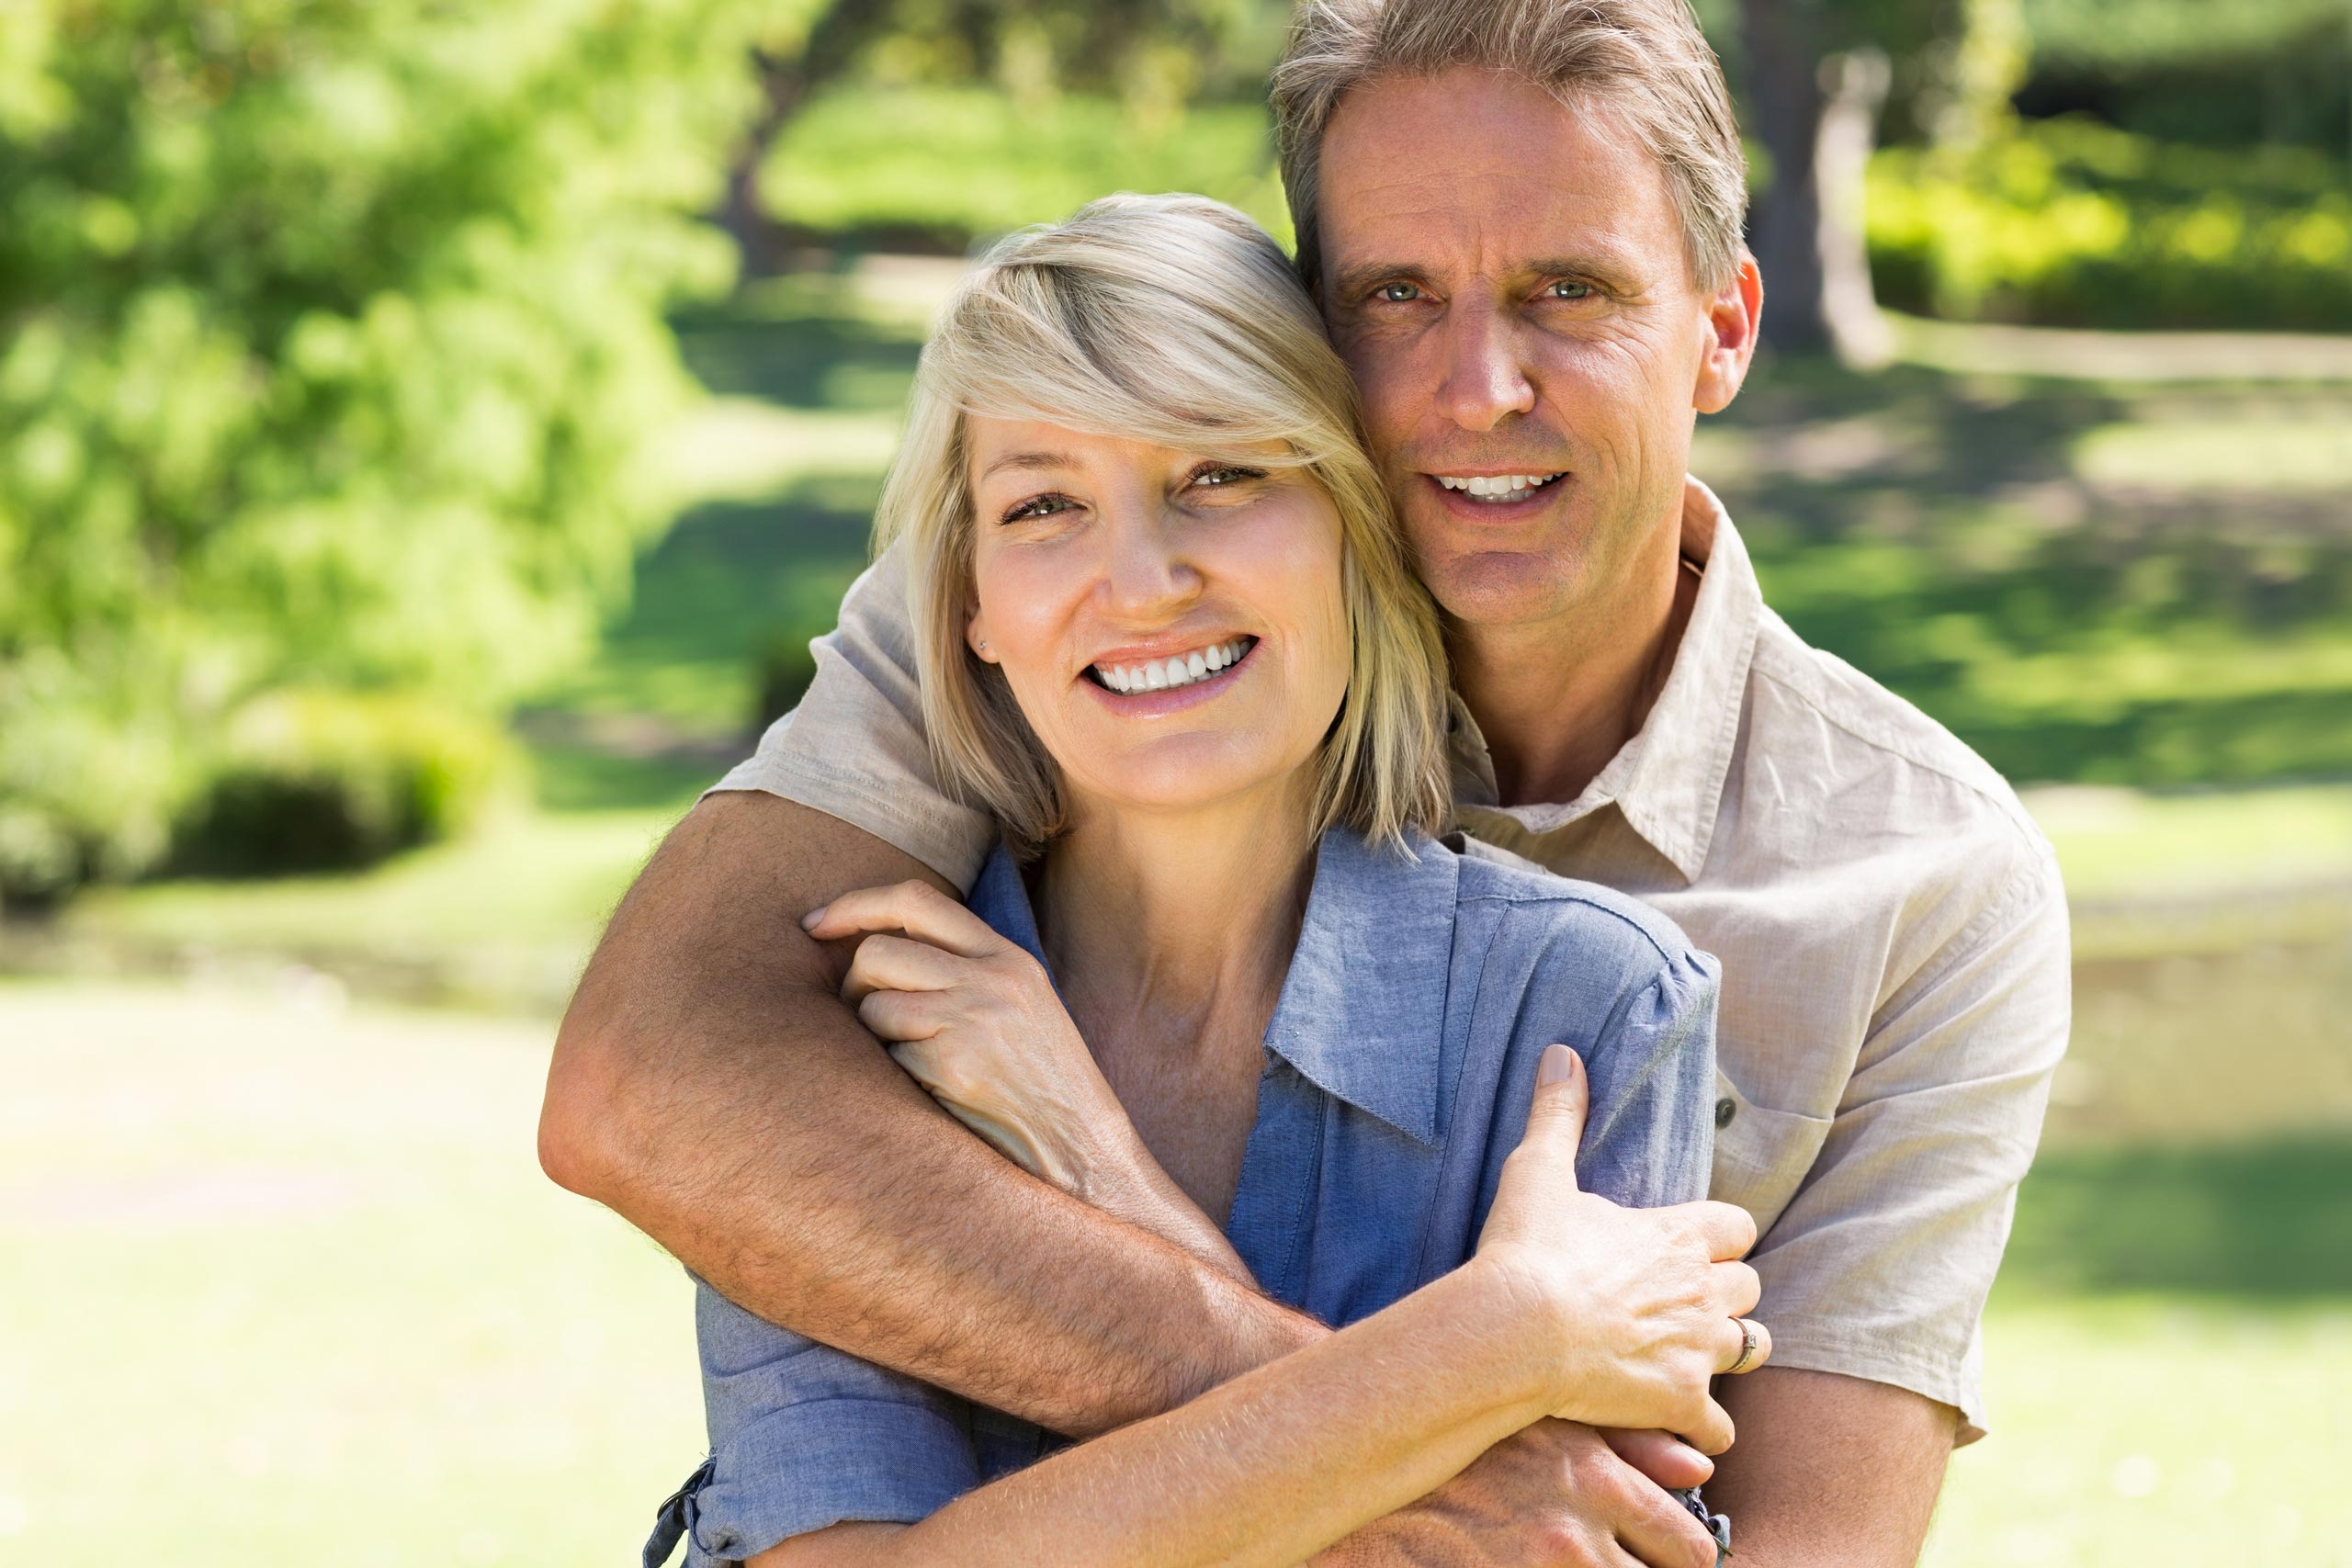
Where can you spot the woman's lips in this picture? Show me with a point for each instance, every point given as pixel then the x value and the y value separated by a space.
pixel 1151 702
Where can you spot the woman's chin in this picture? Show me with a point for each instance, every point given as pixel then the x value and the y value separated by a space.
pixel 1182 775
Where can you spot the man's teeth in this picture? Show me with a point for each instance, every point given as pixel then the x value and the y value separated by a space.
pixel 1502 487
pixel 1161 675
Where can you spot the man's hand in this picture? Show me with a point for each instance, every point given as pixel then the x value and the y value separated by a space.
pixel 1555 1495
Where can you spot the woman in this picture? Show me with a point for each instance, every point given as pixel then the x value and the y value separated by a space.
pixel 1221 981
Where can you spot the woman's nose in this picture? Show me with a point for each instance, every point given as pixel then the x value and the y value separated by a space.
pixel 1147 567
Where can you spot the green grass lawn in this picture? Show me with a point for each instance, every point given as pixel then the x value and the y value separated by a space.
pixel 286 1285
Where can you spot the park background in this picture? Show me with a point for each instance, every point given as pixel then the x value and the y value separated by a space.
pixel 430 434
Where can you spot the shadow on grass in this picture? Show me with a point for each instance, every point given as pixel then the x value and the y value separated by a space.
pixel 2269 1218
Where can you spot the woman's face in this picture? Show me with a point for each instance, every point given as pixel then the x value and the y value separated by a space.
pixel 1173 627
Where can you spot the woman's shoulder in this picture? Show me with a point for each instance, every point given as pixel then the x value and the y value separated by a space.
pixel 1546 914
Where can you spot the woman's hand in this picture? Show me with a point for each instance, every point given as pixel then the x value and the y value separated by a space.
pixel 1645 1305
pixel 975 1020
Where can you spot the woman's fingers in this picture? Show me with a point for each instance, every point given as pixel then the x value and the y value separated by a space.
pixel 1711 1429
pixel 886 962
pixel 1728 1229
pixel 918 908
pixel 1746 1346
pixel 1737 1287
pixel 903 1015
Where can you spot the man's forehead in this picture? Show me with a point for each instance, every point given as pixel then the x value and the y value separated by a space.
pixel 1470 168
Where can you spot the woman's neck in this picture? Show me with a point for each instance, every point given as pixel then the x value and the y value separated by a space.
pixel 1159 922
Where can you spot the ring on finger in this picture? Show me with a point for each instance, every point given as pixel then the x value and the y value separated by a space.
pixel 1749 1342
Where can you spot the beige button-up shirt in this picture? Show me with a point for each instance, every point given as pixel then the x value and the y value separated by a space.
pixel 1891 926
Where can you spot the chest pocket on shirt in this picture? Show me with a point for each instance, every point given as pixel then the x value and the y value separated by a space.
pixel 1761 1155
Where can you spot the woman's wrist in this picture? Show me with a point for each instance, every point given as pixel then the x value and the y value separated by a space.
pixel 1523 1300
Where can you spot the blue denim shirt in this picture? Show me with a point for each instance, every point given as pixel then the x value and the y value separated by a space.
pixel 1398 1067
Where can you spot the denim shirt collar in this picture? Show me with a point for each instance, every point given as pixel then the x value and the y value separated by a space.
pixel 1363 1011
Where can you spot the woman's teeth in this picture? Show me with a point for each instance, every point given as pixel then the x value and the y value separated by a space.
pixel 1502 487
pixel 1166 674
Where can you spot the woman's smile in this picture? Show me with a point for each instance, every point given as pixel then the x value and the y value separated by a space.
pixel 1145 682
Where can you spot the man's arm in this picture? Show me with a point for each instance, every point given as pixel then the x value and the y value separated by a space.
pixel 1830 1470
pixel 1876 1274
pixel 709 1085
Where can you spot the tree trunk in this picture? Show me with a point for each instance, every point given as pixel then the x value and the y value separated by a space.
pixel 1816 118
pixel 759 242
pixel 786 83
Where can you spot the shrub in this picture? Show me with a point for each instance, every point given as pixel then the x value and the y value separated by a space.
pixel 2074 223
pixel 324 780
pixel 946 165
pixel 331 348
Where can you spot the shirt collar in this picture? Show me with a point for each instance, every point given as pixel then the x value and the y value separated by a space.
pixel 1361 1012
pixel 1668 781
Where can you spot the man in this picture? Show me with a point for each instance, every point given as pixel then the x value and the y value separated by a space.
pixel 1522 219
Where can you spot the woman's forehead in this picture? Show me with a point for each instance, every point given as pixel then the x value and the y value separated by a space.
pixel 996 446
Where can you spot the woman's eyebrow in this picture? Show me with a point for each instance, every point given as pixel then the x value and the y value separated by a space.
pixel 1034 460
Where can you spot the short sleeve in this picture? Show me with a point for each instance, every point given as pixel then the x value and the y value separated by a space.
pixel 1620 984
pixel 1880 1265
pixel 803 1436
pixel 854 748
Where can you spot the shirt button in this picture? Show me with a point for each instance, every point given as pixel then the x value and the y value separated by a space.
pixel 1725 1108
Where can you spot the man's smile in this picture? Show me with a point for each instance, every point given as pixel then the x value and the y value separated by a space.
pixel 1494 497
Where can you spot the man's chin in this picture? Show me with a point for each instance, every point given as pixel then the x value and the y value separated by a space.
pixel 1499 589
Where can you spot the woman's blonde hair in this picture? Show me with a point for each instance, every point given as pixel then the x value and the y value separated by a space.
pixel 1176 320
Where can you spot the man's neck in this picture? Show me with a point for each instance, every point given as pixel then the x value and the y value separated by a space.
pixel 1558 700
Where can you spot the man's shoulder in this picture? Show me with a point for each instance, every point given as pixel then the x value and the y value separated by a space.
pixel 1896 773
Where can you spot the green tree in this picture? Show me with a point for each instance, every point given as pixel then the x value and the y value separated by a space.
pixel 1818 74
pixel 330 344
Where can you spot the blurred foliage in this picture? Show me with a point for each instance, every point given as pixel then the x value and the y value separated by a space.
pixel 1158 55
pixel 2193 70
pixel 2072 223
pixel 940 166
pixel 319 779
pixel 330 348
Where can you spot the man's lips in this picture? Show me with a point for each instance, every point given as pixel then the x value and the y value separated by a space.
pixel 1506 498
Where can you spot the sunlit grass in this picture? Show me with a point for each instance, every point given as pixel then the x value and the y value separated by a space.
pixel 2120 843
pixel 286 1283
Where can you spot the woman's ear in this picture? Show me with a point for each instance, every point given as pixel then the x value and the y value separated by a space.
pixel 976 633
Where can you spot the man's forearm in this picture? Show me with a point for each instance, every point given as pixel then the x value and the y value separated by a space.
pixel 709 1086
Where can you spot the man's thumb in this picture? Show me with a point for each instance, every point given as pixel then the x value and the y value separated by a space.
pixel 1562 1097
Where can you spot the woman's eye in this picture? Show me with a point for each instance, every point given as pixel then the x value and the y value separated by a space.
pixel 1397 293
pixel 1225 474
pixel 1564 289
pixel 1038 506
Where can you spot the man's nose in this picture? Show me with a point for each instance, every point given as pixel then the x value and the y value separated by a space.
pixel 1485 380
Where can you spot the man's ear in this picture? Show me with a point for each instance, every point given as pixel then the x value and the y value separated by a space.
pixel 1733 317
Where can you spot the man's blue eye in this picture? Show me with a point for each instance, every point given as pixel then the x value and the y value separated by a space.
pixel 1567 290
pixel 1400 293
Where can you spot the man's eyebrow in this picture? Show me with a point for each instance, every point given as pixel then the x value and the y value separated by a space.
pixel 1033 460
pixel 1604 265
pixel 1361 276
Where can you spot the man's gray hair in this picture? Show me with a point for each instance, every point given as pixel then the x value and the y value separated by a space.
pixel 1644 60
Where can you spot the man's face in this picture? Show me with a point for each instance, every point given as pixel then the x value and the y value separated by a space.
pixel 1508 280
